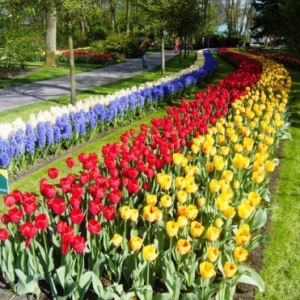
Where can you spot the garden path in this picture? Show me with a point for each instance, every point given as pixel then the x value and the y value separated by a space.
pixel 30 93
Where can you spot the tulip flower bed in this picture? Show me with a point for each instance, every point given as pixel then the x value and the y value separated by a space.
pixel 87 57
pixel 171 213
pixel 286 60
pixel 23 143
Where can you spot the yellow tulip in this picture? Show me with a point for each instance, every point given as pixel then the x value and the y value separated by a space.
pixel 227 175
pixel 243 235
pixel 218 162
pixel 191 188
pixel 117 240
pixel 209 166
pixel 182 221
pixel 191 212
pixel 206 270
pixel 254 198
pixel 166 182
pixel 270 166
pixel 166 201
pixel 238 148
pixel 201 202
pixel 240 254
pixel 258 176
pixel 212 233
pixel 150 212
pixel 183 246
pixel 125 212
pixel 224 150
pixel 151 199
pixel 180 182
pixel 236 184
pixel 181 210
pixel 212 254
pixel 218 223
pixel 135 243
pixel 196 229
pixel 178 158
pixel 172 228
pixel 158 215
pixel 245 210
pixel 240 162
pixel 134 214
pixel 182 196
pixel 229 269
pixel 222 203
pixel 149 253
pixel 229 213
pixel 248 144
pixel 214 185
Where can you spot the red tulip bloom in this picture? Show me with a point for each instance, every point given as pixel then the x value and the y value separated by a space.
pixel 94 226
pixel 9 200
pixel 84 178
pixel 102 181
pixel 17 195
pixel 41 221
pixel 76 215
pixel 131 173
pixel 114 182
pixel 95 207
pixel 48 190
pixel 58 206
pixel 109 212
pixel 94 172
pixel 77 191
pixel 109 162
pixel 78 244
pixel 68 235
pixel 15 215
pixel 65 185
pixel 97 192
pixel 5 219
pixel 133 186
pixel 113 172
pixel 70 162
pixel 61 226
pixel 3 234
pixel 75 202
pixel 115 196
pixel 28 230
pixel 64 248
pixel 30 205
pixel 52 173
pixel 147 186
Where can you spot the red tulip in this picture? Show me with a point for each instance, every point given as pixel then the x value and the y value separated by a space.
pixel 114 182
pixel 109 212
pixel 75 202
pixel 58 206
pixel 9 200
pixel 96 191
pixel 61 226
pixel 41 221
pixel 3 234
pixel 95 207
pixel 78 244
pixel 68 235
pixel 48 190
pixel 15 215
pixel 109 162
pixel 77 190
pixel 84 178
pixel 115 196
pixel 30 205
pixel 133 186
pixel 70 162
pixel 94 226
pixel 64 248
pixel 52 173
pixel 28 230
pixel 102 181
pixel 131 173
pixel 17 195
pixel 65 185
pixel 147 186
pixel 76 215
pixel 5 219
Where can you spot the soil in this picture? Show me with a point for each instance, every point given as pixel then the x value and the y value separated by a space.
pixel 255 260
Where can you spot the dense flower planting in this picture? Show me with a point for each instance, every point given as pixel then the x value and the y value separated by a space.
pixel 87 57
pixel 171 213
pixel 286 60
pixel 22 143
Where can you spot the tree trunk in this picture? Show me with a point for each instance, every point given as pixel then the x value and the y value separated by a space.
pixel 50 59
pixel 128 7
pixel 163 61
pixel 72 70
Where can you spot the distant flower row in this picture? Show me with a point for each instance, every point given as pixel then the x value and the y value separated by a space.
pixel 22 143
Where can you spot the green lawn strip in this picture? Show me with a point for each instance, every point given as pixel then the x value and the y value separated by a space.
pixel 281 258
pixel 37 73
pixel 172 66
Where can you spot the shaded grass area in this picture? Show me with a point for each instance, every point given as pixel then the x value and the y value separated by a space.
pixel 172 66
pixel 281 258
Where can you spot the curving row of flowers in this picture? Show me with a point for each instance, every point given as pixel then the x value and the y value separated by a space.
pixel 22 143
pixel 171 213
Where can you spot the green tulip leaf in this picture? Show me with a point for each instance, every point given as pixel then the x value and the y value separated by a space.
pixel 189 296
pixel 258 218
pixel 250 276
pixel 163 296
pixel 84 283
pixel 27 284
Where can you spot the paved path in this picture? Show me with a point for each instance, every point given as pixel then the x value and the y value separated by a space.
pixel 49 89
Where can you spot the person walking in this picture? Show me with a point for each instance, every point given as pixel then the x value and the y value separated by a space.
pixel 144 47
pixel 176 45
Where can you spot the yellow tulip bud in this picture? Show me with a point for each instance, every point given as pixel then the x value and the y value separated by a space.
pixel 212 254
pixel 206 270
pixel 240 254
pixel 134 215
pixel 196 229
pixel 172 228
pixel 135 243
pixel 182 196
pixel 212 233
pixel 125 212
pixel 149 253
pixel 183 246
pixel 229 269
pixel 166 201
pixel 151 199
pixel 117 240
pixel 182 221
